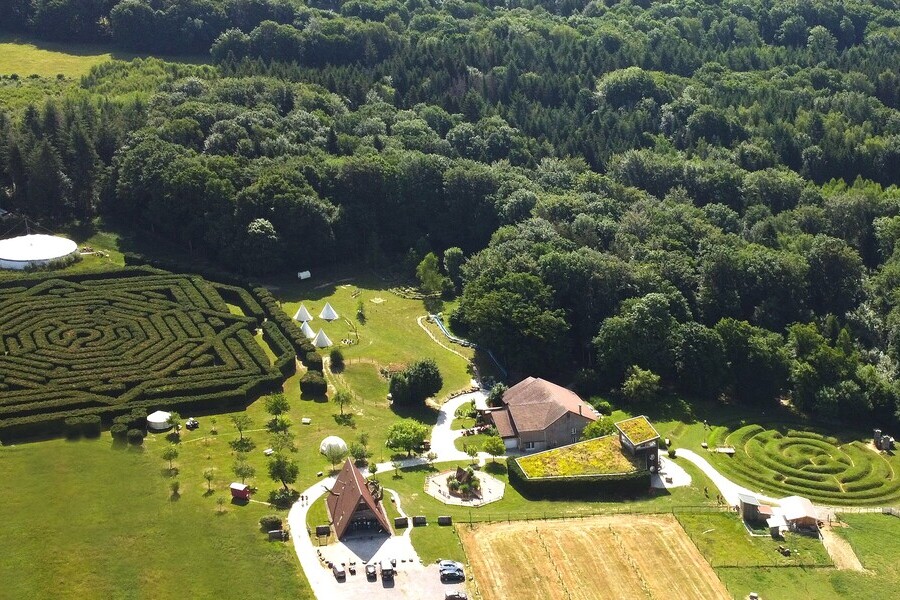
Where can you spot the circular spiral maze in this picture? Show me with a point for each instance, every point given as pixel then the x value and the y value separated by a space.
pixel 105 345
pixel 785 461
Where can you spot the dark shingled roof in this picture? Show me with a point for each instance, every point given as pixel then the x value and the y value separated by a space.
pixel 534 404
pixel 349 494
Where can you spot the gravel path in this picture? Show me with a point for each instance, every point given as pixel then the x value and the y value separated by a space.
pixel 727 488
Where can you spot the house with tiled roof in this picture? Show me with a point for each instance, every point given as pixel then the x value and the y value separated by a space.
pixel 351 505
pixel 537 415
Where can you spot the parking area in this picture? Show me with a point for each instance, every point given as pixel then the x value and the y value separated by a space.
pixel 412 582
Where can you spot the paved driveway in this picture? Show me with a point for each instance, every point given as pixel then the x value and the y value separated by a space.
pixel 413 582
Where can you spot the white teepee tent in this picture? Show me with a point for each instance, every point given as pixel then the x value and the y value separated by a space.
pixel 328 313
pixel 303 315
pixel 307 330
pixel 321 340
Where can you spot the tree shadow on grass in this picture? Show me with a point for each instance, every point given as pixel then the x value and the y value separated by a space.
pixel 208 493
pixel 345 420
pixel 495 468
pixel 167 472
pixel 174 497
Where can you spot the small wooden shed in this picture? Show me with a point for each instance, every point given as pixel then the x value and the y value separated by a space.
pixel 749 507
pixel 240 491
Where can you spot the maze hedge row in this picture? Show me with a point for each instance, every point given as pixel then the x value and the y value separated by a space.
pixel 781 460
pixel 138 338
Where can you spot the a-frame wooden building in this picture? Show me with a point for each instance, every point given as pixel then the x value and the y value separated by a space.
pixel 351 505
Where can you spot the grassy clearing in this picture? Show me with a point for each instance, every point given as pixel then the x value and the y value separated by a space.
pixel 875 539
pixel 724 542
pixel 90 521
pixel 389 334
pixel 24 56
pixel 602 455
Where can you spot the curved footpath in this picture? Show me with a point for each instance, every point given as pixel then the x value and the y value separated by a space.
pixel 727 488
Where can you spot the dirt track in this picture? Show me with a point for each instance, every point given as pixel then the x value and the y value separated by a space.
pixel 840 551
pixel 599 558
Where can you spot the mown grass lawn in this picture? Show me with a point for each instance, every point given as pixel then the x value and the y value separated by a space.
pixel 875 539
pixel 411 482
pixel 724 542
pixel 86 520
pixel 388 335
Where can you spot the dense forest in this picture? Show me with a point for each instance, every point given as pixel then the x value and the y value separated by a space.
pixel 702 195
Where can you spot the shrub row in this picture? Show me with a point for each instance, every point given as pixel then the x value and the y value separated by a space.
pixel 87 426
pixel 286 357
pixel 240 296
pixel 52 423
pixel 313 384
pixel 584 487
pixel 290 330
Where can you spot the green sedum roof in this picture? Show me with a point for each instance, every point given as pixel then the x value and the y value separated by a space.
pixel 599 456
pixel 638 430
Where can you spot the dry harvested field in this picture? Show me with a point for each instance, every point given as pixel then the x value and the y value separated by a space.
pixel 614 557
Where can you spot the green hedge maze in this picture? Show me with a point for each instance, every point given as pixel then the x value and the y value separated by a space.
pixel 780 460
pixel 140 338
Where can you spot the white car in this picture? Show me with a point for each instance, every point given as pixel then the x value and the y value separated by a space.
pixel 451 565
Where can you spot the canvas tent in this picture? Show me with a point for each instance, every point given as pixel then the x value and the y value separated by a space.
pixel 302 315
pixel 351 504
pixel 159 421
pixel 328 313
pixel 332 441
pixel 321 340
pixel 306 330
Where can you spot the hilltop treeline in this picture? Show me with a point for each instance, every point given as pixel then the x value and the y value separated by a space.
pixel 704 192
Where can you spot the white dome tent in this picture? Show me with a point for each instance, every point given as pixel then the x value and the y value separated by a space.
pixel 332 441
pixel 306 330
pixel 328 313
pixel 303 315
pixel 321 340
pixel 34 250
pixel 159 421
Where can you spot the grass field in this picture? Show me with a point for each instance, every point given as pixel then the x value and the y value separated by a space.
pixel 596 558
pixel 388 335
pixel 86 520
pixel 724 542
pixel 874 537
pixel 23 56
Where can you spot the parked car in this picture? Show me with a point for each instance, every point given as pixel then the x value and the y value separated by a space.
pixel 455 596
pixel 387 570
pixel 453 575
pixel 449 564
pixel 340 573
pixel 371 572
pixel 192 424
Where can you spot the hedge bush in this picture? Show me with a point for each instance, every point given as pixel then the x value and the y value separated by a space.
pixel 193 349
pixel 119 432
pixel 270 522
pixel 135 437
pixel 313 384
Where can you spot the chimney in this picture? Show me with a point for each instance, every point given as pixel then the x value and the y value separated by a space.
pixel 579 409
